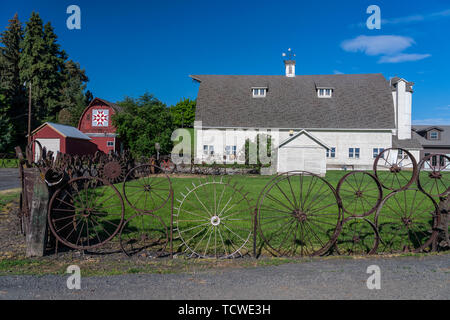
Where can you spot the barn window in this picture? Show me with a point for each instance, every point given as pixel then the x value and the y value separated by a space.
pixel 331 153
pixel 434 135
pixel 353 153
pixel 259 92
pixel 110 143
pixel 324 92
pixel 377 151
pixel 230 150
pixel 208 150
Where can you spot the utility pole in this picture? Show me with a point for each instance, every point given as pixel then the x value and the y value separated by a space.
pixel 29 114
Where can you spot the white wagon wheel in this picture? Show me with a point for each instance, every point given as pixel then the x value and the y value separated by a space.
pixel 214 219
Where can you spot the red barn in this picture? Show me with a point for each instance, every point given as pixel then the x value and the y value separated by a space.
pixel 95 122
pixel 65 139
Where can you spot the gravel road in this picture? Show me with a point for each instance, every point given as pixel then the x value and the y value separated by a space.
pixel 9 179
pixel 401 278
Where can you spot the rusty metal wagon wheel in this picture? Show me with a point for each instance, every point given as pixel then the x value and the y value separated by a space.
pixel 214 219
pixel 113 171
pixel 406 221
pixel 34 152
pixel 298 213
pixel 395 169
pixel 144 234
pixel 434 175
pixel 145 191
pixel 360 193
pixel 86 213
pixel 168 166
pixel 357 236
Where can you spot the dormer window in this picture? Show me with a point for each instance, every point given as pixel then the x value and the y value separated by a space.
pixel 324 92
pixel 259 92
pixel 434 135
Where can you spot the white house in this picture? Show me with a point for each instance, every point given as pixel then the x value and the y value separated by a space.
pixel 315 122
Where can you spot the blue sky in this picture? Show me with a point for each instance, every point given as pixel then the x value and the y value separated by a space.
pixel 130 47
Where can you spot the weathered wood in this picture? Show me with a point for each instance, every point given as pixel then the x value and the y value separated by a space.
pixel 36 236
pixel 444 208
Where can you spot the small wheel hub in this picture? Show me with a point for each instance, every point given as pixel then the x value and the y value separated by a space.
pixel 147 187
pixel 86 213
pixel 435 175
pixel 359 194
pixel 406 221
pixel 301 216
pixel 395 168
pixel 356 239
pixel 215 221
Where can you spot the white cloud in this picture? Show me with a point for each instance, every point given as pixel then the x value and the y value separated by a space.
pixel 376 45
pixel 403 57
pixel 414 18
pixel 432 121
pixel 337 72
pixel 417 18
pixel 389 47
pixel 443 108
pixel 410 19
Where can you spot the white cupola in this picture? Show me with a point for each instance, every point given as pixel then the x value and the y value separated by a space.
pixel 289 63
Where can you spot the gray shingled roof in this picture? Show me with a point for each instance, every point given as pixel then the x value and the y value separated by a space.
pixel 361 101
pixel 412 143
pixel 443 141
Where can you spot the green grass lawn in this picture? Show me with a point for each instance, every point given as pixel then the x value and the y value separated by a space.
pixel 9 163
pixel 214 217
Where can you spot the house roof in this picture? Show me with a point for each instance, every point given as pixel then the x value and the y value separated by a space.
pixel 116 107
pixel 412 143
pixel 64 130
pixel 362 101
pixel 444 135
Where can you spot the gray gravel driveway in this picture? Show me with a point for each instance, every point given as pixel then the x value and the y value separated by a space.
pixel 9 179
pixel 401 278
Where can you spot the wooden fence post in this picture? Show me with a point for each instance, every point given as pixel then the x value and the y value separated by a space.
pixel 36 237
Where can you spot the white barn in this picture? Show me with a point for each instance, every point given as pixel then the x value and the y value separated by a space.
pixel 315 122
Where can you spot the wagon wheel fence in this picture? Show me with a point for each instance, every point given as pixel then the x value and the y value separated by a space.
pixel 114 202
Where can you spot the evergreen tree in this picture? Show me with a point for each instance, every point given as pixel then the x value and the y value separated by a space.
pixel 6 127
pixel 73 98
pixel 42 64
pixel 12 88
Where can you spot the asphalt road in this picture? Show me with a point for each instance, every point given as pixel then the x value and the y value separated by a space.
pixel 9 179
pixel 401 278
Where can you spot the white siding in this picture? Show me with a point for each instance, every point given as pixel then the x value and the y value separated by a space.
pixel 365 140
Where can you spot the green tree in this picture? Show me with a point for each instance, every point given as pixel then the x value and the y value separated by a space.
pixel 12 88
pixel 183 113
pixel 6 126
pixel 73 99
pixel 144 122
pixel 42 64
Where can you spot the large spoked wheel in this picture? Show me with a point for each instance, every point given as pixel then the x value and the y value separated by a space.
pixel 434 175
pixel 395 169
pixel 214 219
pixel 406 222
pixel 145 235
pixel 145 191
pixel 358 236
pixel 298 214
pixel 86 213
pixel 34 152
pixel 360 193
